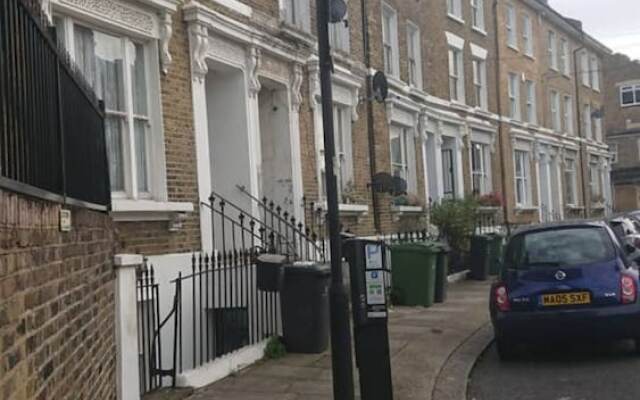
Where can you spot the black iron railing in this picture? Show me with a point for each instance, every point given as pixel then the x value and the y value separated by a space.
pixel 52 140
pixel 148 319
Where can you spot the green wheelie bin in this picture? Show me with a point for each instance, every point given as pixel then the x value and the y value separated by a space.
pixel 413 274
pixel 480 257
pixel 495 253
pixel 442 271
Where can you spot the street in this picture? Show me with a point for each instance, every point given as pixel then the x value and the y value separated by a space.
pixel 571 372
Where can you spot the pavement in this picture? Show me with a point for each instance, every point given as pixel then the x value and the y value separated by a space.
pixel 577 371
pixel 432 352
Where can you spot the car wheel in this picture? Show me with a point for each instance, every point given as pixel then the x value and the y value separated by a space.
pixel 506 350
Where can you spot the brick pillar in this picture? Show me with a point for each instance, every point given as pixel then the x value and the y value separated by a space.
pixel 127 368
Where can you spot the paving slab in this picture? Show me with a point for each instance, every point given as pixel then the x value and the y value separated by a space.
pixel 422 342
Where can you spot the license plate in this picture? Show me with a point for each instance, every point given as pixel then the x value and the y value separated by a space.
pixel 566 299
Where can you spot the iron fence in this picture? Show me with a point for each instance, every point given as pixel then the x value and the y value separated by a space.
pixel 148 320
pixel 52 140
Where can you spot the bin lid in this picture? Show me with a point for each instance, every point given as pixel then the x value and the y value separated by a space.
pixel 311 268
pixel 421 247
pixel 272 259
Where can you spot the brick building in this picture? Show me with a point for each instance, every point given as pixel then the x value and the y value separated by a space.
pixel 622 78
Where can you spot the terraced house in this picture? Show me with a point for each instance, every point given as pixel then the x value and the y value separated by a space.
pixel 214 142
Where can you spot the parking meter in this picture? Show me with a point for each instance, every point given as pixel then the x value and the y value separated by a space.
pixel 369 272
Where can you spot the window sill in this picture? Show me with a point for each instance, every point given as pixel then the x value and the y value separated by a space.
pixel 488 209
pixel 147 210
pixel 402 211
pixel 456 18
pixel 479 30
pixel 530 56
pixel 597 206
pixel 297 34
pixel 459 105
pixel 514 48
pixel 349 210
pixel 572 207
pixel 525 209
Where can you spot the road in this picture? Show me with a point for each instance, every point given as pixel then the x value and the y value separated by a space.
pixel 577 372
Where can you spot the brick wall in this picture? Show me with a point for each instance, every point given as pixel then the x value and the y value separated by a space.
pixel 56 303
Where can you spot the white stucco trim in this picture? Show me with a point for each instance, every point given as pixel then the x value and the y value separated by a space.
pixel 454 40
pixel 478 52
pixel 236 6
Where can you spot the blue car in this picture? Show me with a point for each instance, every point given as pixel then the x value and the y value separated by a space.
pixel 564 282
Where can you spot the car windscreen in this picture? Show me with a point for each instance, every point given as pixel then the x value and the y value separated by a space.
pixel 559 248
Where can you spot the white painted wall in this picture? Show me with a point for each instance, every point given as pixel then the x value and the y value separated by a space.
pixel 276 180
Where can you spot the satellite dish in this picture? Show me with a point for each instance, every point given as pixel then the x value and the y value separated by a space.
pixel 337 11
pixel 380 87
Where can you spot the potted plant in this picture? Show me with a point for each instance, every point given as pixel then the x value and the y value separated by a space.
pixel 493 200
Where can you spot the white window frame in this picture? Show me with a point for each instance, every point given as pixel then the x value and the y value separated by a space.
pixel 407 144
pixel 565 60
pixel 514 96
pixel 635 93
pixel 571 178
pixel 344 162
pixel 594 72
pixel 454 10
pixel 554 110
pixel 477 15
pixel 586 121
pixel 568 114
pixel 595 189
pixel 390 41
pixel 456 75
pixel 552 50
pixel 414 55
pixel 527 35
pixel 511 26
pixel 296 14
pixel 532 107
pixel 524 178
pixel 155 147
pixel 480 83
pixel 340 36
pixel 484 172
pixel 597 126
pixel 584 68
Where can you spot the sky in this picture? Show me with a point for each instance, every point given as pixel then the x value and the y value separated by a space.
pixel 612 22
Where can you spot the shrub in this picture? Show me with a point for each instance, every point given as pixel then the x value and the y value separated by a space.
pixel 455 220
pixel 275 349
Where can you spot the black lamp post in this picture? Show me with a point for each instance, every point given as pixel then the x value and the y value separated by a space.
pixel 334 11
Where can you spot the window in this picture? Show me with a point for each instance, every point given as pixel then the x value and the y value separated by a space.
pixel 570 179
pixel 594 73
pixel 584 68
pixel 552 51
pixel 512 39
pixel 480 83
pixel 344 157
pixel 586 121
pixel 119 70
pixel 531 115
pixel 454 8
pixel 449 173
pixel 527 35
pixel 390 40
pixel 554 104
pixel 339 36
pixel 613 149
pixel 480 167
pixel 477 14
pixel 594 182
pixel 630 95
pixel 568 115
pixel 414 55
pixel 514 96
pixel 596 117
pixel 297 13
pixel 403 155
pixel 456 75
pixel 522 180
pixel 565 63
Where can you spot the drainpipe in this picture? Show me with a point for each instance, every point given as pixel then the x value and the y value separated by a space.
pixel 369 106
pixel 498 69
pixel 580 133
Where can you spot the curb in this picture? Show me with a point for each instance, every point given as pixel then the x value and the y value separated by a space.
pixel 453 378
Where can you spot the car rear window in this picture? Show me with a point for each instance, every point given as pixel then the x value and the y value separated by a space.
pixel 559 248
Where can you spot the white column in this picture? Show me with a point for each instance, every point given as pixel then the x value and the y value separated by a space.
pixel 459 147
pixel 199 45
pixel 437 156
pixel 294 131
pixel 536 159
pixel 127 366
pixel 559 169
pixel 253 125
